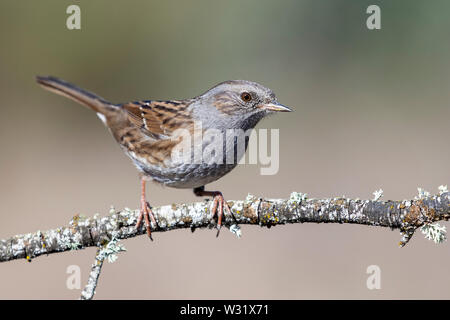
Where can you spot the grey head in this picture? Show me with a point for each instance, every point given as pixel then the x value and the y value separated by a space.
pixel 235 104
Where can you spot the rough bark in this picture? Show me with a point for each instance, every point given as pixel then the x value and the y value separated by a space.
pixel 82 232
pixel 89 290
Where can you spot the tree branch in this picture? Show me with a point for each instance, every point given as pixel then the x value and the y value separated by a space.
pixel 105 232
pixel 83 232
pixel 89 289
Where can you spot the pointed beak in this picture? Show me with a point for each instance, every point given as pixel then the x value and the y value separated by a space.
pixel 275 107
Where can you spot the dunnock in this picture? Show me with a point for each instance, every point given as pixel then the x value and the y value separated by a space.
pixel 146 131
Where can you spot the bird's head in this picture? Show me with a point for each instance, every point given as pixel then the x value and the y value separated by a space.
pixel 240 100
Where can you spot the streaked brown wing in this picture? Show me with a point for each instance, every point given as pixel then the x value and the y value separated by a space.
pixel 159 118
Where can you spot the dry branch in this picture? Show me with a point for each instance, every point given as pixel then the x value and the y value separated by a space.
pixel 89 289
pixel 83 232
pixel 105 232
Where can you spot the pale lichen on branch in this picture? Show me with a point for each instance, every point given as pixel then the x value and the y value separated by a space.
pixel 105 232
pixel 82 232
pixel 108 252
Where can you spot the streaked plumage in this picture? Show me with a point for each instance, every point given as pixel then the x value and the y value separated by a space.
pixel 146 130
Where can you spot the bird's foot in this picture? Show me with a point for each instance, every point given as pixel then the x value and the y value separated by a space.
pixel 146 215
pixel 219 205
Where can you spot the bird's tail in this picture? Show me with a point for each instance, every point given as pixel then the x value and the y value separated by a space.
pixel 79 95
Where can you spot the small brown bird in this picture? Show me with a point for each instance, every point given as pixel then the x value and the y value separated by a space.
pixel 148 130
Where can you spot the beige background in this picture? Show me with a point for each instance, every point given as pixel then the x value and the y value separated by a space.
pixel 371 111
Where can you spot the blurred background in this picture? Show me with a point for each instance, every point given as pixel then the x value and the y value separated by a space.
pixel 371 111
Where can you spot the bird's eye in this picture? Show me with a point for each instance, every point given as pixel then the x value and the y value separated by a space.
pixel 246 97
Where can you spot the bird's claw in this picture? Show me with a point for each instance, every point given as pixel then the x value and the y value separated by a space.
pixel 146 214
pixel 219 205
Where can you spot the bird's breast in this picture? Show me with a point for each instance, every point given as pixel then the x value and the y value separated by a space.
pixel 194 162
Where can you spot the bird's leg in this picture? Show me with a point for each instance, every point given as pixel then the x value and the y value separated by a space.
pixel 146 212
pixel 219 204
